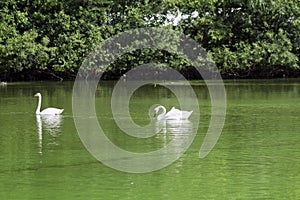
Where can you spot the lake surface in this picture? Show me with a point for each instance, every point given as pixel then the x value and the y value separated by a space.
pixel 256 157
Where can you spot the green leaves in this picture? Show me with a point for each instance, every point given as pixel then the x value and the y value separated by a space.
pixel 55 36
pixel 257 35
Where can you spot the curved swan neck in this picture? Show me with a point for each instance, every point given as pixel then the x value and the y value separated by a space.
pixel 38 109
pixel 160 116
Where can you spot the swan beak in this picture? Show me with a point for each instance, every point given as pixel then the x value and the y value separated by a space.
pixel 35 95
pixel 155 113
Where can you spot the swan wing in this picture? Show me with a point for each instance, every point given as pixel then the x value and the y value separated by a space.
pixel 186 114
pixel 178 114
pixel 173 112
pixel 52 111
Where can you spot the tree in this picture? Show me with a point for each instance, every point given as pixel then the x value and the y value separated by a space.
pixel 245 38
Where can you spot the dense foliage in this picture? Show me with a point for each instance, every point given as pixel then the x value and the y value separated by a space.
pixel 50 38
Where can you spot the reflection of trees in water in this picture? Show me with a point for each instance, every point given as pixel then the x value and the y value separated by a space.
pixel 265 89
pixel 48 124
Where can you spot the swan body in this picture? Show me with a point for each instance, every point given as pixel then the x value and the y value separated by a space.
pixel 47 111
pixel 174 114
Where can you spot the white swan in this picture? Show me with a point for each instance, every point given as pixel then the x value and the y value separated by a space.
pixel 47 111
pixel 172 114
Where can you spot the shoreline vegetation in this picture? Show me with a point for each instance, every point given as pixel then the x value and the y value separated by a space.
pixel 49 39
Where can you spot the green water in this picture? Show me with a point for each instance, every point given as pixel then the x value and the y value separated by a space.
pixel 256 157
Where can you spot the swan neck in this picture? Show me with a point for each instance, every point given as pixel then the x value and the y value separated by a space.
pixel 160 116
pixel 38 109
pixel 164 110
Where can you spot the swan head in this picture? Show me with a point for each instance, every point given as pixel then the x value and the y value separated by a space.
pixel 157 111
pixel 154 110
pixel 38 94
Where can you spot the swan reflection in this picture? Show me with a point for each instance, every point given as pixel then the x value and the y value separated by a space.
pixel 173 126
pixel 178 131
pixel 176 135
pixel 48 123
